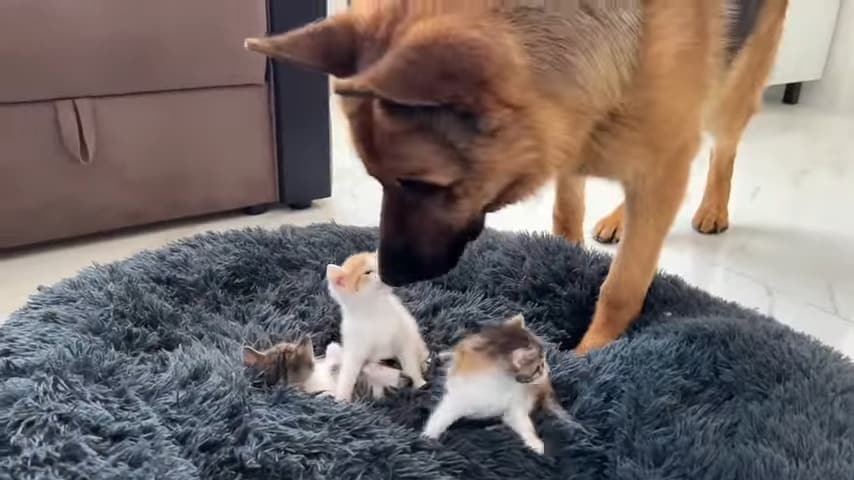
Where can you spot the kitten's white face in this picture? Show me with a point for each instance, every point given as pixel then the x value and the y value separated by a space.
pixel 357 276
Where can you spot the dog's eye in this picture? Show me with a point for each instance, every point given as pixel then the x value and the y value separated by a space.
pixel 400 109
pixel 419 187
pixel 369 272
pixel 441 117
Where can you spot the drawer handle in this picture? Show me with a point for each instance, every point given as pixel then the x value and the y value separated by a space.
pixel 76 120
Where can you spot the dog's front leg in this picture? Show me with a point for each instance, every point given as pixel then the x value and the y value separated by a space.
pixel 568 216
pixel 651 205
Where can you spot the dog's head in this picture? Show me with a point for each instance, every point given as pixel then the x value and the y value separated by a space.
pixel 440 113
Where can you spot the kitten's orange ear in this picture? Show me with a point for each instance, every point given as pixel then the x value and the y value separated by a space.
pixel 330 46
pixel 335 275
pixel 517 321
pixel 252 357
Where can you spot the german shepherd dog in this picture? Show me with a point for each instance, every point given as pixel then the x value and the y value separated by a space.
pixel 461 107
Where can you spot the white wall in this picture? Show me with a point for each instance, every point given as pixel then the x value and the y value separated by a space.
pixel 836 89
pixel 335 6
pixel 807 37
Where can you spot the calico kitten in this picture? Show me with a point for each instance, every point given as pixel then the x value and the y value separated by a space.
pixel 294 364
pixel 499 372
pixel 375 325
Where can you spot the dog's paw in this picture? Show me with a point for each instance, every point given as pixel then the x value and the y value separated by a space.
pixel 592 341
pixel 610 228
pixel 711 218
pixel 572 233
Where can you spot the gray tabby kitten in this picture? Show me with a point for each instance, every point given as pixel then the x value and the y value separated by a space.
pixel 294 364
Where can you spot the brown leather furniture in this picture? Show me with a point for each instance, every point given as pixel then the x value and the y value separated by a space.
pixel 124 112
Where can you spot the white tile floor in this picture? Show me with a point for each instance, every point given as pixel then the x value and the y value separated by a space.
pixel 789 252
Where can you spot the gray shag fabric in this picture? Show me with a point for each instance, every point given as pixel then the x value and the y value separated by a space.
pixel 133 370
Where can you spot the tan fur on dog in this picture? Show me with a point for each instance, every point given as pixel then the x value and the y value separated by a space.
pixel 460 107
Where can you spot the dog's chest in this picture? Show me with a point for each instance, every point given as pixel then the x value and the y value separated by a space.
pixel 608 151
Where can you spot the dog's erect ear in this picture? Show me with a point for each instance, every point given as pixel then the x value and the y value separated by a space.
pixel 330 46
pixel 438 62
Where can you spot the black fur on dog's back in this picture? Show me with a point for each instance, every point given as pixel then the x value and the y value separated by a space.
pixel 743 16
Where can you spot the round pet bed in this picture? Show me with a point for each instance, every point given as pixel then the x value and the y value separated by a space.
pixel 133 370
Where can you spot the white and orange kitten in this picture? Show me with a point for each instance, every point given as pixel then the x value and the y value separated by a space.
pixel 375 325
pixel 500 372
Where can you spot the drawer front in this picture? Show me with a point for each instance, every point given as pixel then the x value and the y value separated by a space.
pixel 132 160
pixel 60 48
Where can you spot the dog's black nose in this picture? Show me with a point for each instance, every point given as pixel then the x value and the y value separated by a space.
pixel 398 279
pixel 399 267
pixel 408 256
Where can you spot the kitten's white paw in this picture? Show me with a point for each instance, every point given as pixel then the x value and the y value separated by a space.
pixel 536 445
pixel 418 383
pixel 339 397
pixel 333 353
pixel 432 435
